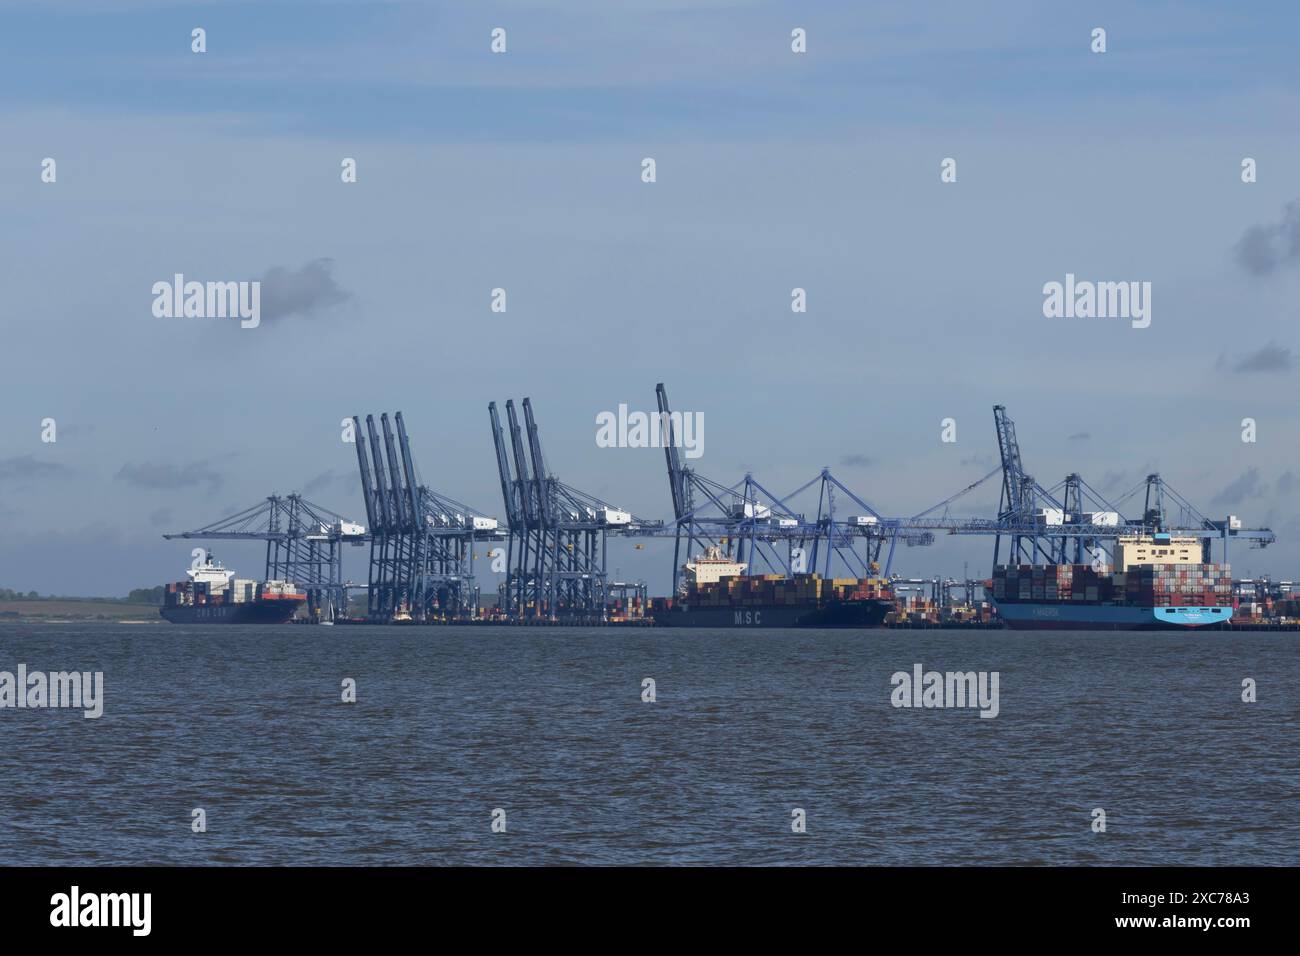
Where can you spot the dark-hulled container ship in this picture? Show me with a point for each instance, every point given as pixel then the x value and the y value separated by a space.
pixel 718 594
pixel 213 595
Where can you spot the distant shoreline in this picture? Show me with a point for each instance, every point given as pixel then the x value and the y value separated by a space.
pixel 75 610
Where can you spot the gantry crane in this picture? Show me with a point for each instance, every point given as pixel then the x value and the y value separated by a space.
pixel 422 542
pixel 558 535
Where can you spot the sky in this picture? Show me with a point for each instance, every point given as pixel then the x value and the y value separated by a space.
pixel 522 171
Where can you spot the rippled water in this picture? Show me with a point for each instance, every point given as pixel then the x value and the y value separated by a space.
pixel 549 725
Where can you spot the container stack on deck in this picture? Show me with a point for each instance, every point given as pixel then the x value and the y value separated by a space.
pixel 1154 585
pixel 762 591
pixel 1054 582
pixel 239 591
pixel 1178 585
pixel 767 590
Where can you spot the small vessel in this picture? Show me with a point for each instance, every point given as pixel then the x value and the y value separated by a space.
pixel 213 595
pixel 717 593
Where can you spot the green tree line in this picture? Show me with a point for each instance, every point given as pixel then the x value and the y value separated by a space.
pixel 152 595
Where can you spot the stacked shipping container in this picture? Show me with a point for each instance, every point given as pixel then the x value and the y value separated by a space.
pixel 1179 585
pixel 766 590
pixel 241 591
pixel 1153 585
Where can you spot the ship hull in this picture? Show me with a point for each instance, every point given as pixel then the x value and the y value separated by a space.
pixel 265 611
pixel 840 614
pixel 1066 616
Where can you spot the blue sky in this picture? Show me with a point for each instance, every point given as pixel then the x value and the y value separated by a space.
pixel 522 171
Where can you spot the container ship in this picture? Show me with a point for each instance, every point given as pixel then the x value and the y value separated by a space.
pixel 1157 583
pixel 717 593
pixel 213 595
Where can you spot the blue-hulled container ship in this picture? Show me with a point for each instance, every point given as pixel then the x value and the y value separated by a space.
pixel 1060 615
pixel 1157 583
